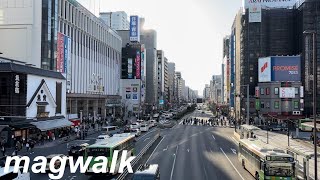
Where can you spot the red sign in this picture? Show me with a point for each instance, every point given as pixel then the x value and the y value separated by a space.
pixel 138 65
pixel 264 67
pixel 60 53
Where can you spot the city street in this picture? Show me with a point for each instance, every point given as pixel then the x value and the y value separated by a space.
pixel 142 141
pixel 198 152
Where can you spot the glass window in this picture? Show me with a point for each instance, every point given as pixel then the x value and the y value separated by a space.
pixel 276 104
pixel 262 104
pixel 296 104
pixel 262 91
pixel 276 91
pixel 267 91
pixel 296 91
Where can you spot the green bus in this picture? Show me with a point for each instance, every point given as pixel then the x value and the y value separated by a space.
pixel 264 161
pixel 307 124
pixel 124 141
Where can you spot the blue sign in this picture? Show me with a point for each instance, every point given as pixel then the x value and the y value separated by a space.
pixel 286 68
pixel 161 101
pixel 134 29
pixel 66 53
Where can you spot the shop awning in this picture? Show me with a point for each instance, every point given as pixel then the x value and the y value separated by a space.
pixel 52 124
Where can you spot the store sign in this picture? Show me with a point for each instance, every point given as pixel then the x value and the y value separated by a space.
pixel 60 53
pixel 17 84
pixel 254 14
pixel 130 68
pixel 138 65
pixel 269 3
pixel 301 92
pixel 257 91
pixel 287 92
pixel 134 29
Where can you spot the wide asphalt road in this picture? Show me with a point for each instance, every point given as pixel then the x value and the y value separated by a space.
pixel 142 141
pixel 189 152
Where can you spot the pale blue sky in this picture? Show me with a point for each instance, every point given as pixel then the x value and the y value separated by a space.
pixel 189 31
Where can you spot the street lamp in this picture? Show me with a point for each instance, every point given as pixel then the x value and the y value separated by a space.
pixel 314 100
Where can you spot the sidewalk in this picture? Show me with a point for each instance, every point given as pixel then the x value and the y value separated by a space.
pixel 281 141
pixel 59 141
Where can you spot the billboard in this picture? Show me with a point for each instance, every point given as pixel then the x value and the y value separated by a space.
pixel 264 69
pixel 60 53
pixel 254 14
pixel 287 92
pixel 268 3
pixel 134 29
pixel 143 61
pixel 138 65
pixel 280 68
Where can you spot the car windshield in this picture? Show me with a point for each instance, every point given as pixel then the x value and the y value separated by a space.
pixel 273 170
pixel 143 177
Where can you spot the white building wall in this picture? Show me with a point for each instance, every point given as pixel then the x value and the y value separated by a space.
pixel 33 83
pixel 20 30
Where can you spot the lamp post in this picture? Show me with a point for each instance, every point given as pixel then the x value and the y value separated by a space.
pixel 314 100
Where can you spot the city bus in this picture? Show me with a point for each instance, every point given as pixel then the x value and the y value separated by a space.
pixel 264 161
pixel 110 130
pixel 124 141
pixel 307 124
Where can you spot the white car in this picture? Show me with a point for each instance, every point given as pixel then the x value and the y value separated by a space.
pixel 134 126
pixel 136 132
pixel 57 164
pixel 152 123
pixel 144 127
pixel 102 138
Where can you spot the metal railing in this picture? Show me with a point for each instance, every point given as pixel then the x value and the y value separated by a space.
pixel 134 162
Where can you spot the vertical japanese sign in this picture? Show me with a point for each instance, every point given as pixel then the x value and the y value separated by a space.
pixel 60 53
pixel 134 29
pixel 17 84
pixel 130 68
pixel 138 65
pixel 67 61
pixel 142 66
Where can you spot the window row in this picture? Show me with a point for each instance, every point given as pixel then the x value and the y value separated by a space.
pixel 87 22
pixel 276 105
pixel 266 91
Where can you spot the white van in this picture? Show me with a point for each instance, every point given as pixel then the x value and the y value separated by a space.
pixel 110 130
pixel 14 176
pixel 152 123
pixel 134 126
pixel 144 127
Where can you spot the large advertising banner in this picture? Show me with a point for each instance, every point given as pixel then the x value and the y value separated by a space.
pixel 142 66
pixel 268 3
pixel 254 14
pixel 264 69
pixel 287 68
pixel 138 65
pixel 130 68
pixel 60 53
pixel 280 68
pixel 134 29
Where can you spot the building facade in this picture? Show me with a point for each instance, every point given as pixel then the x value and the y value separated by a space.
pixel 116 20
pixel 64 36
pixel 171 82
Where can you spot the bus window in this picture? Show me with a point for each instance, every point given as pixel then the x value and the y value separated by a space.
pixel 98 152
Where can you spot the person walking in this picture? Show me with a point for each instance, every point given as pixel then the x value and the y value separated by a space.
pixel 27 146
pixel 3 150
pixel 31 147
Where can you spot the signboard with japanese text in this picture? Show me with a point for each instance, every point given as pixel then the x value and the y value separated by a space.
pixel 254 14
pixel 134 29
pixel 138 65
pixel 60 53
pixel 269 3
pixel 287 92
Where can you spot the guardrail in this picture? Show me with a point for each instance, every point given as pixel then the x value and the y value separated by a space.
pixel 134 162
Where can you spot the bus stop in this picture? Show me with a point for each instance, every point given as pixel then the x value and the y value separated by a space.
pixel 303 156
pixel 247 131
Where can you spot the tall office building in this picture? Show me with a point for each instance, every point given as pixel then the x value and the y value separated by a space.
pixel 171 82
pixel 149 38
pixel 64 36
pixel 162 77
pixel 116 20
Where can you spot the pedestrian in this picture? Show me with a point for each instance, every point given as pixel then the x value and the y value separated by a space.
pixel 27 146
pixel 3 150
pixel 19 146
pixel 31 146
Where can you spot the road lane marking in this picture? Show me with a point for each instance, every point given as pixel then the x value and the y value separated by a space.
pixel 234 140
pixel 155 149
pixel 231 164
pixel 146 139
pixel 146 134
pixel 165 148
pixel 234 151
pixel 188 150
pixel 213 137
pixel 174 162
